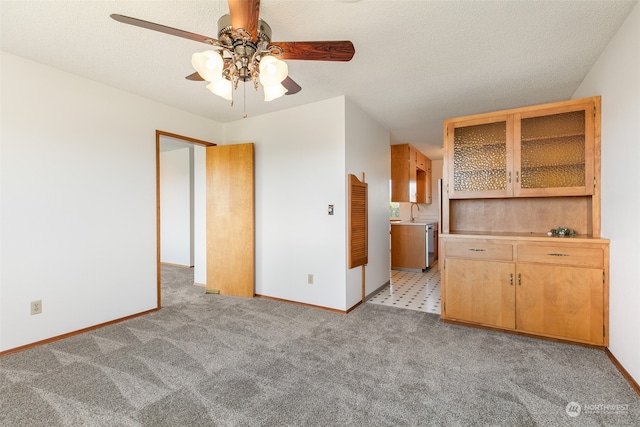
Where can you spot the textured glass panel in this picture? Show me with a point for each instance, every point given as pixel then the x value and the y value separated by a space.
pixel 553 151
pixel 479 157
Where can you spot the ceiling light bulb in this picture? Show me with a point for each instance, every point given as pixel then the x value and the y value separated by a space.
pixel 272 71
pixel 208 64
pixel 221 87
pixel 211 64
pixel 272 92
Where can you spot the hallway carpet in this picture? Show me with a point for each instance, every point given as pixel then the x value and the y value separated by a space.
pixel 210 360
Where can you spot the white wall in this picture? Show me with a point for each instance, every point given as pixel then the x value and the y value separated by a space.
pixel 77 208
pixel 300 170
pixel 200 215
pixel 176 207
pixel 367 151
pixel 616 77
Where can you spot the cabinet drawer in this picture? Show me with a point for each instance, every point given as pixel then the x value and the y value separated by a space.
pixel 580 257
pixel 479 250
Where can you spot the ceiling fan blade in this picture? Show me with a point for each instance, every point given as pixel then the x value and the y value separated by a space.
pixel 195 77
pixel 245 14
pixel 316 51
pixel 167 30
pixel 291 86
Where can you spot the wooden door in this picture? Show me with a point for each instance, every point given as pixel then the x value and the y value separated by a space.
pixel 230 220
pixel 480 291
pixel 358 222
pixel 560 301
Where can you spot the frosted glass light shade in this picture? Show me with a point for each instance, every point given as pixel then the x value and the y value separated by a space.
pixel 208 64
pixel 272 71
pixel 221 87
pixel 272 92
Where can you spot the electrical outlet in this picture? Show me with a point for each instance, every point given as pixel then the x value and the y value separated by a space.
pixel 36 307
pixel 310 279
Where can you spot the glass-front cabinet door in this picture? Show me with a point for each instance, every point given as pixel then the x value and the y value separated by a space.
pixel 480 152
pixel 554 152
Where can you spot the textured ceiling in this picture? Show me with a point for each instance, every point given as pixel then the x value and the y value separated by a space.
pixel 416 62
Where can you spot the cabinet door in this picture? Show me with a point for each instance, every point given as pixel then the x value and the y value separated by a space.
pixel 480 291
pixel 562 302
pixel 554 151
pixel 403 173
pixel 423 186
pixel 421 161
pixel 480 158
pixel 408 246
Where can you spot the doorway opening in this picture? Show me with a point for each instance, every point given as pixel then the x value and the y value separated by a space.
pixel 167 142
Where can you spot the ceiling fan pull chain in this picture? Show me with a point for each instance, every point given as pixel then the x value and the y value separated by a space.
pixel 244 100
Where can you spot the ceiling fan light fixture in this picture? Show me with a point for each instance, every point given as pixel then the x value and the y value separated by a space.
pixel 221 87
pixel 208 64
pixel 244 52
pixel 272 71
pixel 272 92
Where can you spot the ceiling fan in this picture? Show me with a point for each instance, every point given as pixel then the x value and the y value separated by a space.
pixel 244 52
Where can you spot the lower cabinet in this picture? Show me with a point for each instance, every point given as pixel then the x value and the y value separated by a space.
pixel 481 292
pixel 408 246
pixel 557 290
pixel 561 301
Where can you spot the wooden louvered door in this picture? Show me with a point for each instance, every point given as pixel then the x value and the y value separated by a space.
pixel 358 243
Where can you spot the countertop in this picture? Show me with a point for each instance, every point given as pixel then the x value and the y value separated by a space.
pixel 421 222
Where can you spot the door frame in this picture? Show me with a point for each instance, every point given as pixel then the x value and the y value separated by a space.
pixel 194 141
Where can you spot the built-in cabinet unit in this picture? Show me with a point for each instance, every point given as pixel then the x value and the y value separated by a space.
pixel 528 284
pixel 410 175
pixel 509 178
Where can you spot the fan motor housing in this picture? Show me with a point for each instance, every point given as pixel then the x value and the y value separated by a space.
pixel 226 29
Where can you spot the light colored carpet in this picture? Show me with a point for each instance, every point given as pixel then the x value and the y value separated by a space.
pixel 212 360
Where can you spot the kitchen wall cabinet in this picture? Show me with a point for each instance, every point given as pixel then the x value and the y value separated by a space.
pixel 510 177
pixel 557 290
pixel 410 175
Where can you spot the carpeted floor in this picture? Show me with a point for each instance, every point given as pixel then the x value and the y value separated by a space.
pixel 211 360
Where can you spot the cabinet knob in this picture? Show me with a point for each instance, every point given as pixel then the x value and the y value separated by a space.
pixel 519 280
pixel 511 279
pixel 509 177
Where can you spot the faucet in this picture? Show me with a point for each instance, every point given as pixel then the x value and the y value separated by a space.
pixel 413 218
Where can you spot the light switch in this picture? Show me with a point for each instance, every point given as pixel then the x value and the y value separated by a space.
pixel 330 209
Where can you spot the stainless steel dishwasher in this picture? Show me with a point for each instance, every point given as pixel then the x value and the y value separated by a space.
pixel 430 244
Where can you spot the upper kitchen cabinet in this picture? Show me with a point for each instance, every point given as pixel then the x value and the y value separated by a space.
pixel 410 175
pixel 539 151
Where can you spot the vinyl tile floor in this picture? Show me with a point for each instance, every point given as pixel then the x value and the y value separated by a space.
pixel 413 291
